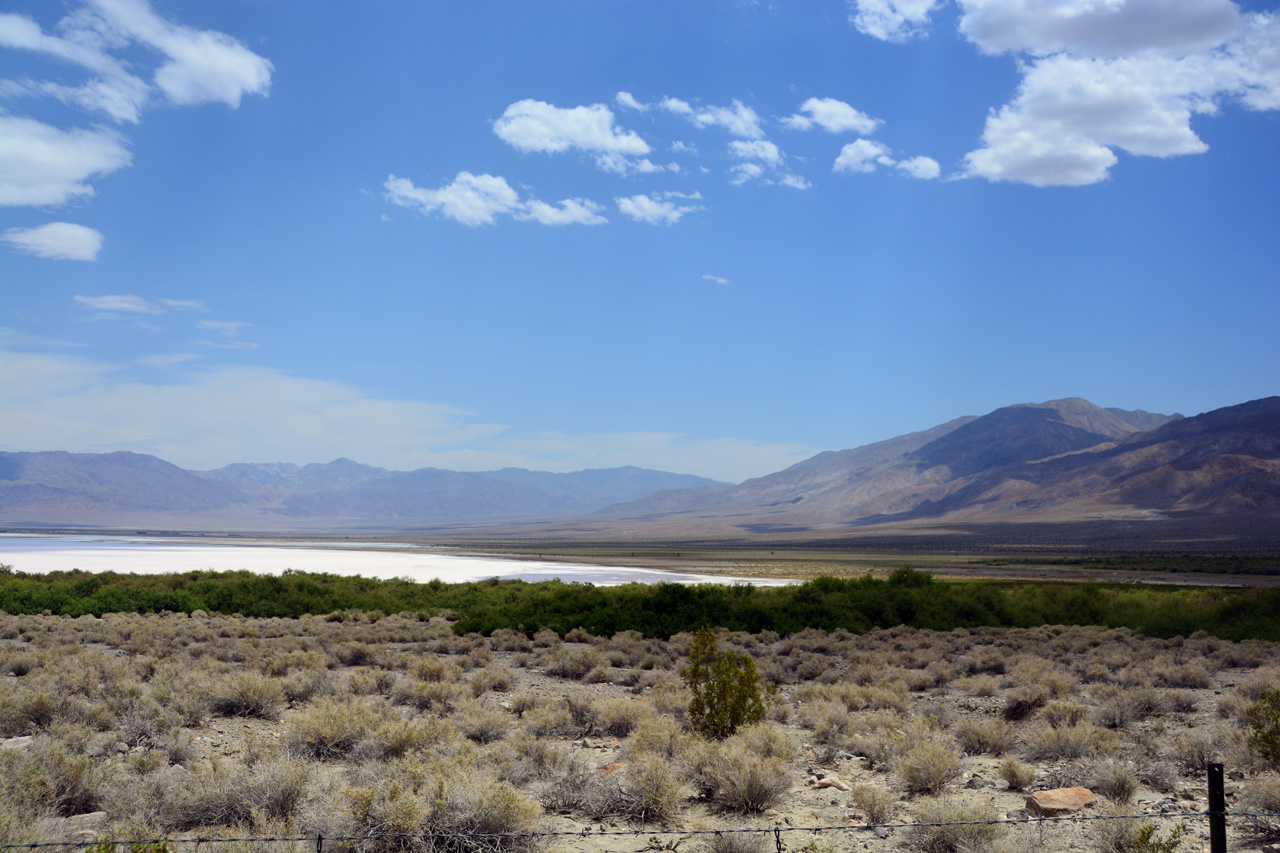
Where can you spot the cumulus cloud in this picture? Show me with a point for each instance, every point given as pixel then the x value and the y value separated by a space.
pixel 653 209
pixel 62 241
pixel 475 200
pixel 863 155
pixel 892 20
pixel 738 119
pixel 43 165
pixel 833 116
pixel 925 168
pixel 1102 76
pixel 677 106
pixel 531 126
pixel 760 149
pixel 627 100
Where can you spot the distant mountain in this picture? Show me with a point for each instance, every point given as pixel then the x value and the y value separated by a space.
pixel 1055 468
pixel 129 489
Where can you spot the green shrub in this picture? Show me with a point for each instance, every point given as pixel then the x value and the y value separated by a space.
pixel 726 688
pixel 1264 725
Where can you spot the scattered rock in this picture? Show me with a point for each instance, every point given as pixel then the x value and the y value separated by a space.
pixel 15 743
pixel 610 769
pixel 1059 801
pixel 881 831
pixel 832 782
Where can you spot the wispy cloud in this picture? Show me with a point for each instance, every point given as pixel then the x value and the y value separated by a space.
pixel 121 303
pixel 717 279
pixel 229 332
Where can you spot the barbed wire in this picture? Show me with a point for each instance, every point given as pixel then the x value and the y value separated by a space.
pixel 776 831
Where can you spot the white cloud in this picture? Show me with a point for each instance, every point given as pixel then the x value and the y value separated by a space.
pixel 572 211
pixel 862 155
pixel 684 147
pixel 165 361
pixel 627 100
pixel 760 149
pixel 739 119
pixel 1110 28
pixel 229 332
pixel 479 199
pixel 892 20
pixel 123 303
pixel 925 168
pixel 794 181
pixel 63 241
pixel 531 125
pixel 652 210
pixel 743 172
pixel 833 116
pixel 184 305
pixel 208 417
pixel 677 106
pixel 717 279
pixel 202 66
pixel 42 165
pixel 1101 76
pixel 1070 113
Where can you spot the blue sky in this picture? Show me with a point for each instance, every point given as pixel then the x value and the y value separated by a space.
pixel 710 238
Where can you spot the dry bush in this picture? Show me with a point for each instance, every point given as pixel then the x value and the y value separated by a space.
pixel 438 696
pixel 990 736
pixel 1061 714
pixel 498 679
pixel 1025 701
pixel 480 724
pixel 1114 780
pixel 247 694
pixel 548 721
pixel 574 665
pixel 927 767
pixel 734 842
pixel 619 717
pixel 735 779
pixel 983 685
pixel 1262 797
pixel 1187 676
pixel 829 721
pixel 661 736
pixel 410 797
pixel 329 729
pixel 1017 775
pixel 967 837
pixel 651 790
pixel 230 794
pixel 873 801
pixel 1050 744
pixel 46 779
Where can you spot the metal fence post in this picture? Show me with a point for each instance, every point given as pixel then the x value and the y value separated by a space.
pixel 1217 811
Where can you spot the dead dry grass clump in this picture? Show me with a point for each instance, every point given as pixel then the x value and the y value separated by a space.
pixel 991 736
pixel 736 779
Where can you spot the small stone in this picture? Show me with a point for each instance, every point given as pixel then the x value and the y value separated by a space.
pixel 832 782
pixel 610 769
pixel 121 747
pixel 881 831
pixel 15 743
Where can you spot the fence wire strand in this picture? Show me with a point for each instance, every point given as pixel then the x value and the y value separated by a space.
pixel 775 831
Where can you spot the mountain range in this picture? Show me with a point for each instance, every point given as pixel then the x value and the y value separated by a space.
pixel 1064 462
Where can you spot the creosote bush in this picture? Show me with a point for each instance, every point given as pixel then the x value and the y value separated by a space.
pixel 1264 727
